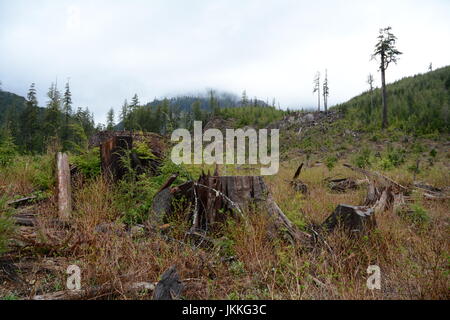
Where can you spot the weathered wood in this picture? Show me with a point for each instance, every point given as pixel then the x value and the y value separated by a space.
pixel 63 184
pixel 342 185
pixel 386 181
pixel 352 218
pixel 169 287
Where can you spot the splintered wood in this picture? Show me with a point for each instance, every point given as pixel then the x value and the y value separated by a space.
pixel 63 184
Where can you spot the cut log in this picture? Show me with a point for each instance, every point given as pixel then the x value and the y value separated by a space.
pixel 169 287
pixel 351 218
pixel 63 184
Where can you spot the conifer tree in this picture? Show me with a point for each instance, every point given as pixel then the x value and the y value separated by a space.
pixel 386 50
pixel 52 122
pixel 110 120
pixel 29 122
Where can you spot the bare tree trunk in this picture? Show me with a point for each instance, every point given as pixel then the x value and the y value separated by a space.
pixel 384 95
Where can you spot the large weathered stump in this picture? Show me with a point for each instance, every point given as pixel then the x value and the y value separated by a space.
pixel 214 199
pixel 351 218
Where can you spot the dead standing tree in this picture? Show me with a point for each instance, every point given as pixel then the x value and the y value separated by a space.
pixel 317 89
pixel 326 91
pixel 388 53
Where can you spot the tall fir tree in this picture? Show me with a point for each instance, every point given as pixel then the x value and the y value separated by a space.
pixel 110 124
pixel 387 51
pixel 124 115
pixel 30 122
pixel 52 122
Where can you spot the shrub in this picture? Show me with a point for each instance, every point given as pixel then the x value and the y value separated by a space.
pixel 8 150
pixel 362 159
pixel 395 157
pixel 331 162
pixel 88 163
pixel 418 214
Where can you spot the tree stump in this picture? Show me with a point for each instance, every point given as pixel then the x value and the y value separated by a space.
pixel 63 184
pixel 169 287
pixel 351 218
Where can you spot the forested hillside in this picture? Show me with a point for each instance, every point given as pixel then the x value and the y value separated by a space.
pixel 33 129
pixel 418 104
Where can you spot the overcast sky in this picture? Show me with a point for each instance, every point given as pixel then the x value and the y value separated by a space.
pixel 113 49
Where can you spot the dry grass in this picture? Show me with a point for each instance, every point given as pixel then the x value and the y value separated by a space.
pixel 245 263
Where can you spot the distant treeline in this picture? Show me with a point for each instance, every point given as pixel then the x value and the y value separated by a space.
pixel 32 128
pixel 163 116
pixel 28 128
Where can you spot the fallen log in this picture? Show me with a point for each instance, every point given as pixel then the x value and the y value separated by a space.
pixel 342 185
pixel 431 193
pixel 21 202
pixel 63 184
pixel 25 219
pixel 379 177
pixel 95 292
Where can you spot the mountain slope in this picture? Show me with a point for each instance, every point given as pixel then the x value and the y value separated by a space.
pixel 10 105
pixel 418 104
